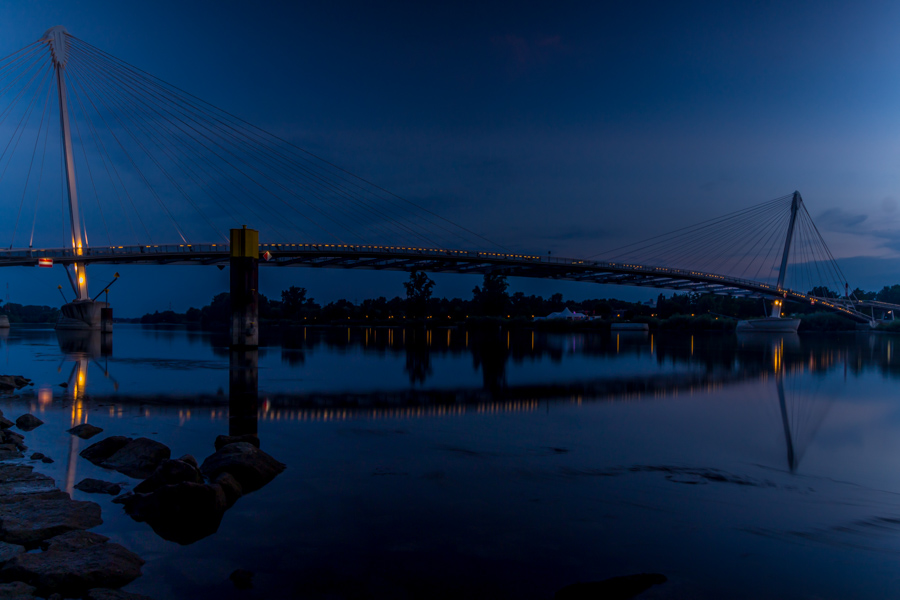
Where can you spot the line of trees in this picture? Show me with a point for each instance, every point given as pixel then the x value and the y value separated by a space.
pixel 29 313
pixel 490 299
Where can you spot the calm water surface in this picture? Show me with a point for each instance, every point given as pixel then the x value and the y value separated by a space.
pixel 442 463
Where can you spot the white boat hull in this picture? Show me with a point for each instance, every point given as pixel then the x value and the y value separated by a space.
pixel 770 324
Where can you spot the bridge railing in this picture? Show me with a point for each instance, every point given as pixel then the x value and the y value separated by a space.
pixel 25 255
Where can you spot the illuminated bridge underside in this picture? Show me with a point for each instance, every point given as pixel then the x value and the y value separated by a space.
pixel 337 256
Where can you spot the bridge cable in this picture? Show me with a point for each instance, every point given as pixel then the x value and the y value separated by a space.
pixel 187 197
pixel 140 172
pixel 708 223
pixel 350 215
pixel 233 166
pixel 166 173
pixel 17 135
pixel 46 132
pixel 89 171
pixel 107 161
pixel 296 148
pixel 201 142
pixel 37 139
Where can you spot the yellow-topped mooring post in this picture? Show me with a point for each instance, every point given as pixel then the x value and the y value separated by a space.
pixel 244 286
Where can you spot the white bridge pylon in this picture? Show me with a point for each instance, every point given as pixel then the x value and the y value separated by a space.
pixel 57 39
pixel 795 207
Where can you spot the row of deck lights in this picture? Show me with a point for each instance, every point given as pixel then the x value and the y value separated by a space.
pixel 639 267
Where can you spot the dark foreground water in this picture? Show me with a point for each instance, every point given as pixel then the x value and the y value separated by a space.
pixel 446 464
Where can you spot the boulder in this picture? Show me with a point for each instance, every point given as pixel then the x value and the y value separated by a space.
pixel 5 423
pixel 7 436
pixel 100 451
pixel 28 422
pixel 224 440
pixel 74 541
pixel 27 519
pixel 13 382
pixel 249 465
pixel 138 458
pixel 167 473
pixel 9 452
pixel 9 551
pixel 85 431
pixel 189 459
pixel 182 513
pixel 72 572
pixel 21 479
pixel 98 486
pixel 124 498
pixel 16 590
pixel 104 594
pixel 37 456
pixel 230 487
pixel 47 460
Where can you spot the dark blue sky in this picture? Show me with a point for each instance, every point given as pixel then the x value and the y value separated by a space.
pixel 570 127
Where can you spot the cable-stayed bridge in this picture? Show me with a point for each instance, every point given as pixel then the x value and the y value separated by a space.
pixel 90 144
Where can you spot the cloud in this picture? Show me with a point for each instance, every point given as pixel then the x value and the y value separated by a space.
pixel 837 219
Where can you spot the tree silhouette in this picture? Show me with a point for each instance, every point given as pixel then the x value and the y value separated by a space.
pixel 491 298
pixel 293 300
pixel 418 292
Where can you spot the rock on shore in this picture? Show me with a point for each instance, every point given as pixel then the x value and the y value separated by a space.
pixel 138 458
pixel 134 458
pixel 16 591
pixel 104 594
pixel 27 519
pixel 183 512
pixel 73 563
pixel 100 451
pixel 224 440
pixel 34 513
pixel 249 465
pixel 11 437
pixel 169 472
pixel 28 422
pixel 11 383
pixel 85 431
pixel 98 486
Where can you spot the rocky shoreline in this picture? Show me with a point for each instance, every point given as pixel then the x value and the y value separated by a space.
pixel 46 548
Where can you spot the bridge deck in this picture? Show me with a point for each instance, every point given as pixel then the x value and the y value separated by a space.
pixel 434 260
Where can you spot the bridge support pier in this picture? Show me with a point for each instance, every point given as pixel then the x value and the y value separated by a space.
pixel 244 288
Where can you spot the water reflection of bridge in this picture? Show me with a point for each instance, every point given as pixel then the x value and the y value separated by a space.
pixel 693 365
pixel 700 363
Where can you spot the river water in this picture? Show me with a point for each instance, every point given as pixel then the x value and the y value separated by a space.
pixel 504 464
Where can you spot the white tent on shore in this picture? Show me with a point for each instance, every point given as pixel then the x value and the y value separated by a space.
pixel 565 314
